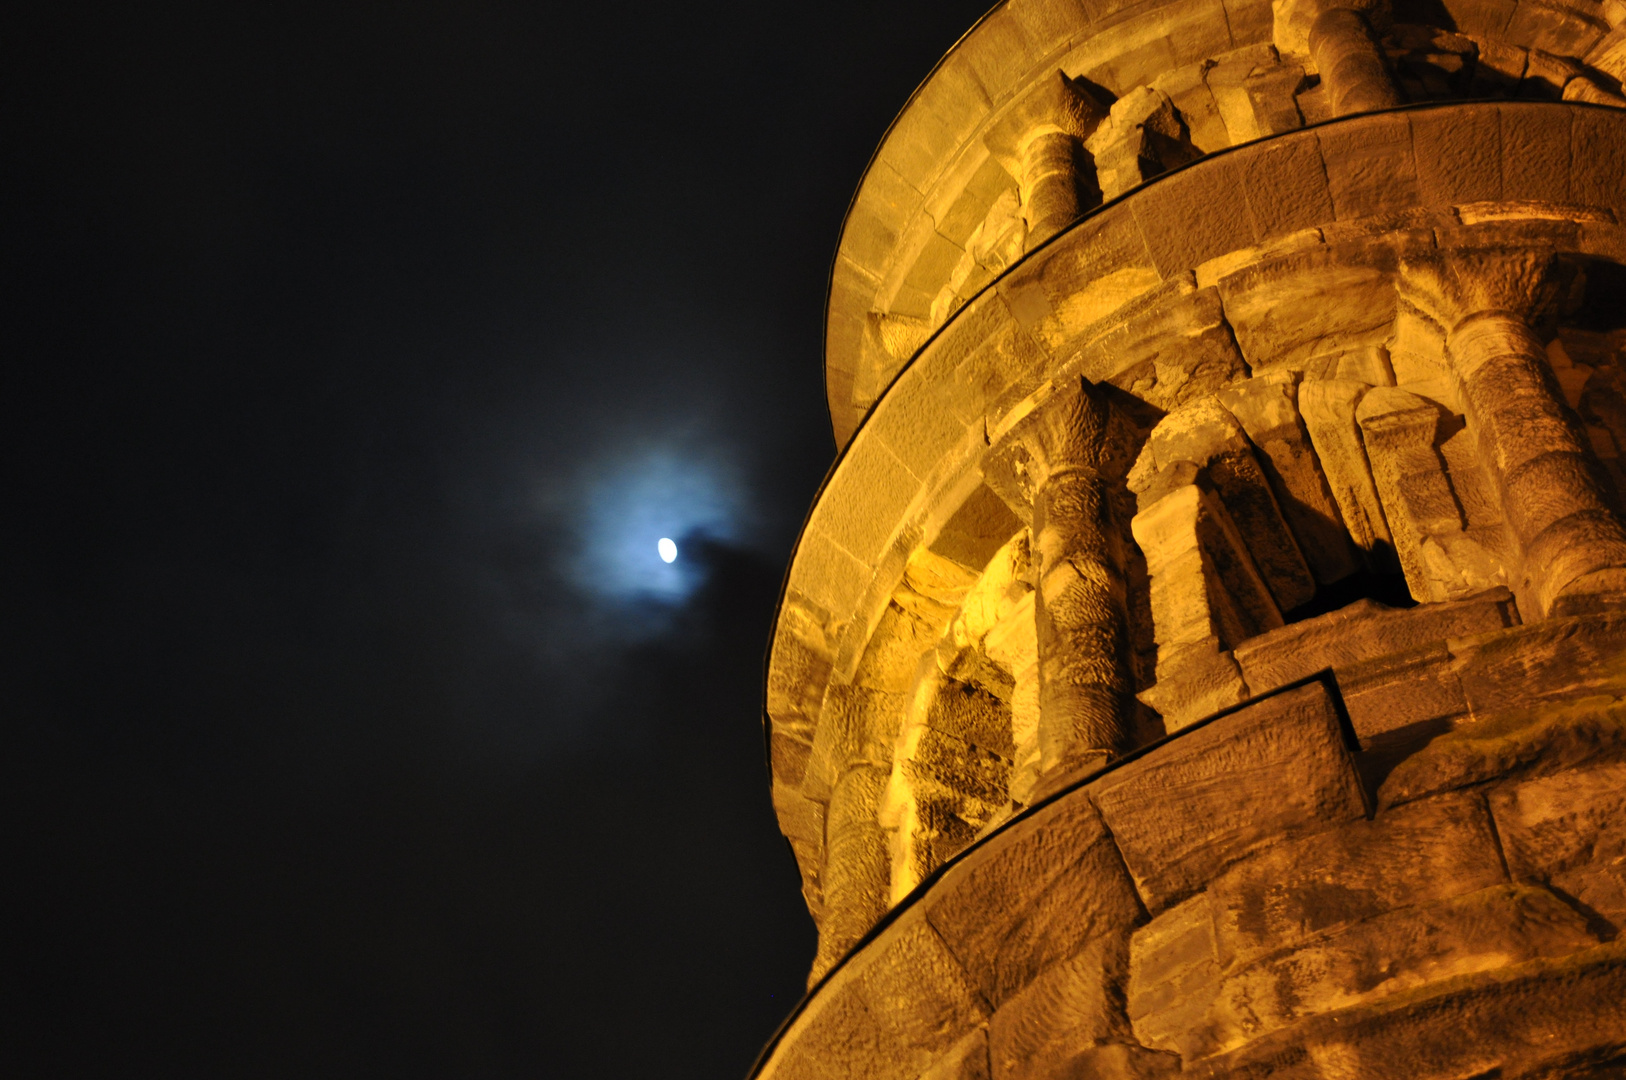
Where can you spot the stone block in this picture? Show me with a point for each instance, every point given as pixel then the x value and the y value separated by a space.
pixel 1561 31
pixel 916 993
pixel 857 865
pixel 1094 269
pixel 1049 1028
pixel 1267 409
pixel 1286 186
pixel 1197 681
pixel 1194 216
pixel 1168 348
pixel 1459 157
pixel 1403 693
pixel 1174 974
pixel 1033 895
pixel 1204 596
pixel 1548 1017
pixel 1526 666
pixel 1518 744
pixel 1194 103
pixel 1141 138
pixel 1328 408
pixel 827 574
pixel 853 730
pixel 1535 152
pixel 1400 430
pixel 1204 434
pixel 1426 851
pixel 1291 309
pixel 1364 630
pixel 1568 831
pixel 1274 770
pixel 1598 139
pixel 835 1038
pixel 965 1060
pixel 1389 954
pixel 1370 166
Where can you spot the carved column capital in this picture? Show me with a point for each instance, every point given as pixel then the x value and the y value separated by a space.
pixel 1456 287
pixel 1038 140
pixel 1053 105
pixel 1489 301
pixel 1067 431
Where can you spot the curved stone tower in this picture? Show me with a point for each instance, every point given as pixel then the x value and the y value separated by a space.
pixel 1206 655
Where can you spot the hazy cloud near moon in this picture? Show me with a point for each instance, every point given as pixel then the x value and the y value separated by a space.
pixel 625 502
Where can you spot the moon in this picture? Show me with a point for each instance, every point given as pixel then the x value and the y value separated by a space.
pixel 668 550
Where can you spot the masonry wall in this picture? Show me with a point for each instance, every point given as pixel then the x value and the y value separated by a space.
pixel 1205 655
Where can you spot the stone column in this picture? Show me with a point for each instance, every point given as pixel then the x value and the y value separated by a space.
pixel 1056 456
pixel 1039 141
pixel 1543 471
pixel 1352 67
pixel 1338 35
pixel 1049 183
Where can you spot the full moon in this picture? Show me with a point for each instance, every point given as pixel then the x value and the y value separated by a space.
pixel 667 549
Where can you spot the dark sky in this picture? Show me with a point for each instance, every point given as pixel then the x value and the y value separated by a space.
pixel 354 357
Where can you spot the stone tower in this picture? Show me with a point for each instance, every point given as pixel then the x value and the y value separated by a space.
pixel 1206 655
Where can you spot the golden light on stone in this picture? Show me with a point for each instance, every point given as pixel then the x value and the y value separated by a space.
pixel 1206 656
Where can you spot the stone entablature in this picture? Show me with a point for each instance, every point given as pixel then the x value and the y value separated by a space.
pixel 1289 396
pixel 1048 107
pixel 1412 866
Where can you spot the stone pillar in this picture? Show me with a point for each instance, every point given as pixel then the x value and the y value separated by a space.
pixel 1039 141
pixel 1049 183
pixel 1543 471
pixel 1056 456
pixel 1352 66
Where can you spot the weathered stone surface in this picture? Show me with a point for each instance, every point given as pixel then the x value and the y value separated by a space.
pixel 1365 630
pixel 1174 975
pixel 1272 770
pixel 802 822
pixel 965 1060
pixel 1205 435
pixel 1541 1018
pixel 1278 307
pixel 1538 742
pixel 1329 407
pixel 1142 137
pixel 1429 850
pixel 1205 596
pixel 1034 895
pixel 857 865
pixel 1391 953
pixel 1267 409
pixel 1171 347
pixel 1525 666
pixel 916 992
pixel 1068 1010
pixel 1441 560
pixel 857 727
pixel 1319 325
pixel 1401 698
pixel 1568 831
pixel 834 1038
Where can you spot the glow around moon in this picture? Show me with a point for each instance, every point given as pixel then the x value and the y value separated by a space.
pixel 675 493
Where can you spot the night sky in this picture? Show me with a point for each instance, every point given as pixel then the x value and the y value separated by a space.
pixel 355 357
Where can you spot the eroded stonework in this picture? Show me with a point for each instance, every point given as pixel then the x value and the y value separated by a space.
pixel 1207 655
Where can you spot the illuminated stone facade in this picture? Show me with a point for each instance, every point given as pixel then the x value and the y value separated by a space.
pixel 1206 655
